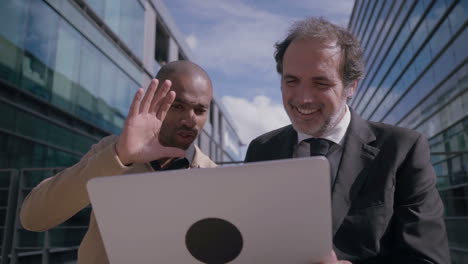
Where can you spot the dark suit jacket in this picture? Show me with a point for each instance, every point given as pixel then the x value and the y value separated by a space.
pixel 385 206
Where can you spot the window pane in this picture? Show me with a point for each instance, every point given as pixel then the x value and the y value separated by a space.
pixel 441 37
pixel 9 117
pixel 97 6
pixel 89 82
pixel 12 22
pixel 458 16
pixel 40 40
pixel 30 239
pixel 107 86
pixel 67 66
pixel 436 12
pixel 41 32
pixel 66 237
pixel 132 26
pixel 124 93
pixel 89 68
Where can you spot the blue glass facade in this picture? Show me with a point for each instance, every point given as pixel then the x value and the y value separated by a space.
pixel 54 61
pixel 125 18
pixel 68 72
pixel 417 77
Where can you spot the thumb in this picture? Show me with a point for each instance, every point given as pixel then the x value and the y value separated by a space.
pixel 332 257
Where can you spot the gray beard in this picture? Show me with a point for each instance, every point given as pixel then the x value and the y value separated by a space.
pixel 329 123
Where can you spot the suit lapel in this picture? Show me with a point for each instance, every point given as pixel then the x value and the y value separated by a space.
pixel 285 144
pixel 357 154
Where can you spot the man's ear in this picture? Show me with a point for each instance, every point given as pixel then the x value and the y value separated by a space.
pixel 351 89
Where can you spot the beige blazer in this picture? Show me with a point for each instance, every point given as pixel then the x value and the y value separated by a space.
pixel 58 198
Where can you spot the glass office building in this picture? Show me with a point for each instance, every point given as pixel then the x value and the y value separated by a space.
pixel 68 72
pixel 417 77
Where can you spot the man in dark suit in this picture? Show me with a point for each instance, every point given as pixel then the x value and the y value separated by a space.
pixel 385 205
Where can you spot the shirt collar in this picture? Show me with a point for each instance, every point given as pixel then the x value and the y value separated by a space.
pixel 190 153
pixel 336 134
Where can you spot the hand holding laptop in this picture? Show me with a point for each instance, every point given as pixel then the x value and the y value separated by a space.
pixel 139 141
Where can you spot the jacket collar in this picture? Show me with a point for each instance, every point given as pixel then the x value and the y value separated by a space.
pixel 357 155
pixel 200 160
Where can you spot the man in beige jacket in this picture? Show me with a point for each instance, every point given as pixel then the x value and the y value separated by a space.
pixel 161 125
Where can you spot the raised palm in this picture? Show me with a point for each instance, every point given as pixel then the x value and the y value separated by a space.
pixel 139 140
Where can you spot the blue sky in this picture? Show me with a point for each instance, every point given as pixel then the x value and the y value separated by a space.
pixel 233 41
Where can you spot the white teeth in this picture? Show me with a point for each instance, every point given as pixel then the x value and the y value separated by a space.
pixel 306 111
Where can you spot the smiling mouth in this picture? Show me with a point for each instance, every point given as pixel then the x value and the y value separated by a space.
pixel 305 110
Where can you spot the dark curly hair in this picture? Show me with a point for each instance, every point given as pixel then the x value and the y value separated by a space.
pixel 352 61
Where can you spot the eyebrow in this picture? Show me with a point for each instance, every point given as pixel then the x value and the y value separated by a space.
pixel 289 76
pixel 315 78
pixel 321 78
pixel 179 100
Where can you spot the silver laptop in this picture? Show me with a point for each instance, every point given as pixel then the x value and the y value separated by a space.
pixel 265 212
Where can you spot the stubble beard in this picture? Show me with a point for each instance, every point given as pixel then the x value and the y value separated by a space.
pixel 322 127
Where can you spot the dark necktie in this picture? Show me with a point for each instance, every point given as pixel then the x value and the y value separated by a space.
pixel 319 146
pixel 180 163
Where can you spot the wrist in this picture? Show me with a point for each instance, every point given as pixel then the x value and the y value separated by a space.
pixel 120 155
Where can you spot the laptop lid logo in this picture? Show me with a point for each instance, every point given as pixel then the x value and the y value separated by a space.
pixel 214 241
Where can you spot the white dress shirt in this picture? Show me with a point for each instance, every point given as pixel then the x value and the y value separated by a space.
pixel 336 135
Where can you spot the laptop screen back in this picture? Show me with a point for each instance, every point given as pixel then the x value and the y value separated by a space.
pixel 266 212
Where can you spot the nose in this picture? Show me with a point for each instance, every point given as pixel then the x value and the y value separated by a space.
pixel 305 93
pixel 189 119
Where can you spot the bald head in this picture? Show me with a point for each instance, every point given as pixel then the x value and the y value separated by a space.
pixel 183 69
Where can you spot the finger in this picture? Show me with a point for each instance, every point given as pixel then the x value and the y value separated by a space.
pixel 331 259
pixel 135 106
pixel 165 105
pixel 169 152
pixel 146 102
pixel 160 95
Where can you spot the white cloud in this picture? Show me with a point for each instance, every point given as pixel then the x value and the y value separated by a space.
pixel 253 118
pixel 192 41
